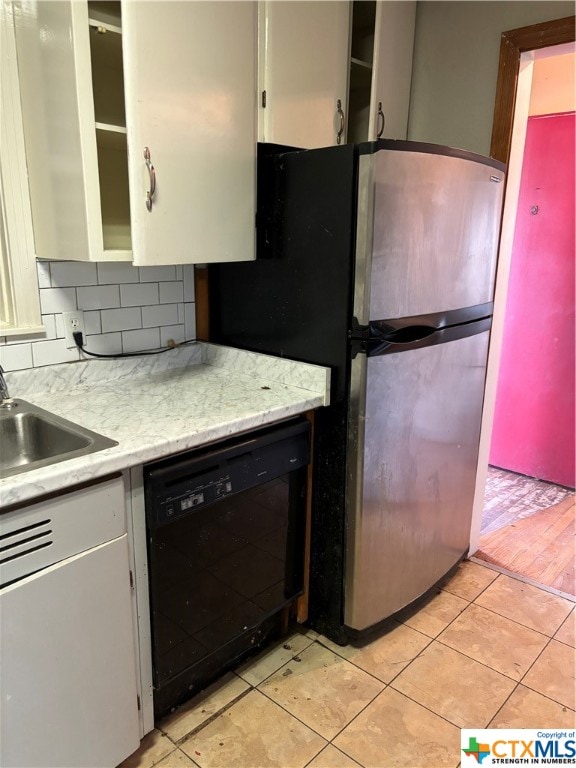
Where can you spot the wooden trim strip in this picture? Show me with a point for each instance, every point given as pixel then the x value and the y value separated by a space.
pixel 202 303
pixel 515 42
pixel 303 601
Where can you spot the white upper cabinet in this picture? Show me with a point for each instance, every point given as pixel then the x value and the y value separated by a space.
pixel 380 69
pixel 141 126
pixel 190 81
pixel 58 120
pixel 304 50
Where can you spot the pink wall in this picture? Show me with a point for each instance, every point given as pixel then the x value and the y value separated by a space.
pixel 534 419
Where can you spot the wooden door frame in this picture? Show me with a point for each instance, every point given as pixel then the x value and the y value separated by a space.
pixel 514 43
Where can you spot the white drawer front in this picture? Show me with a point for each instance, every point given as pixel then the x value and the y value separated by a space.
pixel 39 535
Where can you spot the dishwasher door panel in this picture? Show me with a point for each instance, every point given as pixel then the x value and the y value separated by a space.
pixel 219 572
pixel 225 553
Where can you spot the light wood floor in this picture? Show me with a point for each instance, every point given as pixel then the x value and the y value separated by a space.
pixel 540 547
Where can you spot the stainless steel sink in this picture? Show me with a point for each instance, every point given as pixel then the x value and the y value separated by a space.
pixel 31 437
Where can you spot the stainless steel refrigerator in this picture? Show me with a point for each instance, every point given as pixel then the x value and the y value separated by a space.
pixel 379 261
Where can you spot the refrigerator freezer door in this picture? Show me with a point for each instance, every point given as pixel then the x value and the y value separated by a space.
pixel 413 442
pixel 434 239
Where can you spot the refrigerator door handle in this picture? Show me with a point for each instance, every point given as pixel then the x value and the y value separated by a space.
pixel 374 338
pixel 416 337
pixel 406 335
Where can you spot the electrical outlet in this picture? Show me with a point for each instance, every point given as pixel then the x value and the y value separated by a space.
pixel 73 321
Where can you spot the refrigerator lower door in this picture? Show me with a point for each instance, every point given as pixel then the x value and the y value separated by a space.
pixel 414 427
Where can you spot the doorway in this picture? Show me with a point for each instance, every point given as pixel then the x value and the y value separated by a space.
pixel 530 541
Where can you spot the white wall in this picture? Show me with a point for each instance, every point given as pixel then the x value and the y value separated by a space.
pixel 456 53
pixel 126 309
pixel 553 84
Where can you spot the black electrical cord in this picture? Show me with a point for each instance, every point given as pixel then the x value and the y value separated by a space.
pixel 79 340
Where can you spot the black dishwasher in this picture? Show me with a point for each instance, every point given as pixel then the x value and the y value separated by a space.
pixel 225 529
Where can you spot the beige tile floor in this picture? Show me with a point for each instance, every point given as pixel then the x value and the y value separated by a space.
pixel 486 651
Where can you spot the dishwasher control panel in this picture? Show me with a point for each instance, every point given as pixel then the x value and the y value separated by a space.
pixel 187 482
pixel 198 496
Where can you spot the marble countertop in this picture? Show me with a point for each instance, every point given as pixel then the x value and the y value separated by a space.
pixel 188 397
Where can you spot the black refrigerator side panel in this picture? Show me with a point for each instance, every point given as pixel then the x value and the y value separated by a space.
pixel 328 531
pixel 295 299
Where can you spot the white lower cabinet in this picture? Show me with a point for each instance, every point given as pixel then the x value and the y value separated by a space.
pixel 68 683
pixel 304 49
pixel 140 126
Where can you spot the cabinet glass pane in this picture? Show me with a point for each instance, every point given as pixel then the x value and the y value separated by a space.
pixel 114 195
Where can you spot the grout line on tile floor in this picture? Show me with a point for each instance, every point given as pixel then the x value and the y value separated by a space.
pixel 317 753
pixel 402 693
pixel 534 662
pixel 512 692
pixel 502 616
pixel 329 741
pixel 565 707
pixel 208 720
pixel 347 753
pixel 487 665
pixel 523 579
pixel 525 626
pixel 226 706
pixel 361 765
pixel 388 682
pixel 470 560
pixel 563 642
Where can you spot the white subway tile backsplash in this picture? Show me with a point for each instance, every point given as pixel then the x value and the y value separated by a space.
pixel 111 272
pixel 92 322
pixel 99 297
pixel 49 323
pixel 103 344
pixel 139 295
pixel 115 297
pixel 43 270
pixel 154 274
pixel 72 273
pixel 171 293
pixel 59 326
pixel 190 321
pixel 174 332
pixel 161 314
pixel 124 319
pixel 15 357
pixel 52 352
pixel 188 270
pixel 53 300
pixel 138 341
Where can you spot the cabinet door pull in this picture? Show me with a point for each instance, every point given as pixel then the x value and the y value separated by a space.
pixel 152 174
pixel 380 130
pixel 341 129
